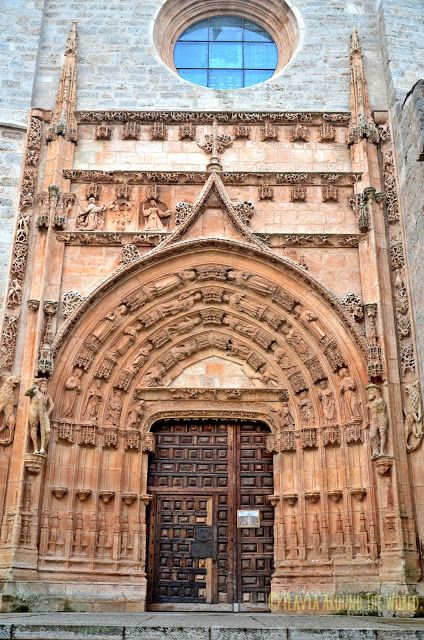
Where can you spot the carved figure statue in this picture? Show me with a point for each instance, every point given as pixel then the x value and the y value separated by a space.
pixel 72 390
pixel 94 399
pixel 7 408
pixel 130 334
pixel 240 326
pixel 142 357
pixel 306 409
pixel 378 420
pixel 184 302
pixel 39 415
pixel 239 302
pixel 153 217
pixel 184 325
pixel 413 417
pixel 298 343
pixel 170 282
pixel 110 322
pixel 326 397
pixel 114 408
pixel 287 419
pixel 92 217
pixel 350 401
pixel 252 281
pixel 135 414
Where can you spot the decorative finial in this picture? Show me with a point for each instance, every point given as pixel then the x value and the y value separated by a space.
pixel 215 144
pixel 361 124
pixel 64 122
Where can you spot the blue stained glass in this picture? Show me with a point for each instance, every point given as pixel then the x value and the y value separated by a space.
pixel 259 55
pixel 254 76
pixel 226 55
pixel 225 52
pixel 191 55
pixel 197 32
pixel 254 32
pixel 228 28
pixel 224 79
pixel 197 76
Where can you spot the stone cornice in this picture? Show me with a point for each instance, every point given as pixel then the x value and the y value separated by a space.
pixel 202 117
pixel 199 177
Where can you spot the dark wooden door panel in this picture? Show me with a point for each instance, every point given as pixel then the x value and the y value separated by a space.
pixel 255 546
pixel 201 473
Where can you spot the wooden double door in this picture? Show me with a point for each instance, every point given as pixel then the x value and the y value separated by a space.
pixel 203 475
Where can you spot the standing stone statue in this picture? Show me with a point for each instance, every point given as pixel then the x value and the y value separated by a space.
pixel 72 389
pixel 350 400
pixel 93 402
pixel 379 420
pixel 326 397
pixel 39 414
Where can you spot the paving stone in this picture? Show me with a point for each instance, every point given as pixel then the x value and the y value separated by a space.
pixel 168 633
pixel 218 633
pixel 67 632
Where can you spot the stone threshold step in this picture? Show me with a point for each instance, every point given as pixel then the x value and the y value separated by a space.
pixel 170 632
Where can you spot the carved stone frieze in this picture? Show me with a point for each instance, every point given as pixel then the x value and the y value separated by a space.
pixel 327 132
pixel 187 131
pixel 269 131
pixel 226 117
pixel 131 130
pixel 20 245
pixel 330 193
pixel 158 131
pixel 390 189
pixel 103 131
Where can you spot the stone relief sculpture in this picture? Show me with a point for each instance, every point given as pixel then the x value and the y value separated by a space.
pixel 91 218
pixel 7 408
pixel 351 404
pixel 252 281
pixel 39 415
pixel 326 397
pixel 413 417
pixel 93 401
pixel 306 409
pixel 378 420
pixel 135 415
pixel 130 334
pixel 141 357
pixel 110 323
pixel 184 302
pixel 287 420
pixel 170 282
pixel 153 216
pixel 114 408
pixel 72 388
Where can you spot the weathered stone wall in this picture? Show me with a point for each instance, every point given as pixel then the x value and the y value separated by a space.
pixel 21 27
pixel 410 141
pixel 118 65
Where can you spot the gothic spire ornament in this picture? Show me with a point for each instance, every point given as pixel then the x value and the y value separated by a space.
pixel 64 122
pixel 361 124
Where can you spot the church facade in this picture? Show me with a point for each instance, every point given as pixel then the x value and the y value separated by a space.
pixel 212 336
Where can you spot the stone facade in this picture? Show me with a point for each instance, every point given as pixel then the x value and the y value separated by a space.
pixel 208 256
